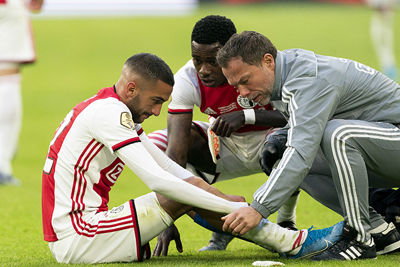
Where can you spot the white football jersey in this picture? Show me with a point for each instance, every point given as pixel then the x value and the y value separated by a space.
pixel 16 39
pixel 81 166
pixel 86 156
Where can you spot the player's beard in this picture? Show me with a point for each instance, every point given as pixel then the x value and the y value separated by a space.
pixel 134 107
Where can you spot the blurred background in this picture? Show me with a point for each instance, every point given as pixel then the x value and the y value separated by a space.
pixel 81 46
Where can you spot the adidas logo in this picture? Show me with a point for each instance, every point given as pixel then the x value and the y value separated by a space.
pixel 350 254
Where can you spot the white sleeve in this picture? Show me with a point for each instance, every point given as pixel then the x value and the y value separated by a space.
pixel 163 160
pixel 186 93
pixel 139 160
pixel 111 124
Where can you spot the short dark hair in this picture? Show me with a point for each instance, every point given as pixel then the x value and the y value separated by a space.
pixel 212 29
pixel 249 45
pixel 150 67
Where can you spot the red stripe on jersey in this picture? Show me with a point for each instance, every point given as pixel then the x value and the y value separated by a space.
pixel 93 149
pixel 158 132
pixel 48 182
pixel 88 225
pixel 140 131
pixel 79 185
pixel 162 148
pixel 102 224
pixel 108 177
pixel 177 111
pixel 82 170
pixel 83 228
pixel 162 140
pixel 125 143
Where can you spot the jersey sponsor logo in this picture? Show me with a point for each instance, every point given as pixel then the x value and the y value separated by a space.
pixel 210 111
pixel 117 209
pixel 227 108
pixel 245 102
pixel 126 120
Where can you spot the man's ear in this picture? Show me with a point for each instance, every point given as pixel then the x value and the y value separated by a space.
pixel 131 90
pixel 268 61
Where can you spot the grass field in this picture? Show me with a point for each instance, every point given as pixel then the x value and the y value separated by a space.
pixel 78 57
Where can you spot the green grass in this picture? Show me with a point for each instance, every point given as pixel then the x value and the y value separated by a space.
pixel 78 57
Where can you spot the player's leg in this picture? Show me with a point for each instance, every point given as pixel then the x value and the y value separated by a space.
pixel 289 243
pixel 10 120
pixel 110 236
pixel 350 148
pixel 298 244
pixel 319 185
pixel 199 155
pixel 267 234
pixel 381 30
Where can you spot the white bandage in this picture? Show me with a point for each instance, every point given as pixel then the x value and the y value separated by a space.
pixel 249 116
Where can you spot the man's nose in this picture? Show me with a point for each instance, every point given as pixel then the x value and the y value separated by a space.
pixel 243 91
pixel 205 70
pixel 156 109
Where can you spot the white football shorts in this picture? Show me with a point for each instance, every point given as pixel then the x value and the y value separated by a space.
pixel 118 245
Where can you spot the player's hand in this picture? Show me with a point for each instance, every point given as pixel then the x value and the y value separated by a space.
pixel 228 123
pixel 241 221
pixel 236 198
pixel 169 234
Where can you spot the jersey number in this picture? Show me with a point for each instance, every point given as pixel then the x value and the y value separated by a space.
pixel 62 126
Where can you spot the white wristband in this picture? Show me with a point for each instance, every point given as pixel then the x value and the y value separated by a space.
pixel 249 116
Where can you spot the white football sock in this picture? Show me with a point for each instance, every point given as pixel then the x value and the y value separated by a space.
pixel 10 119
pixel 382 38
pixel 152 218
pixel 288 210
pixel 273 237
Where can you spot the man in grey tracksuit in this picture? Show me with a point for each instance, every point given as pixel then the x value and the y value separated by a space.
pixel 348 110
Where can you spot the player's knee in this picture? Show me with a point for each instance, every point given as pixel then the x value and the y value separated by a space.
pixel 331 134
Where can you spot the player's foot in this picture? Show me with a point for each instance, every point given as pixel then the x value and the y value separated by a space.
pixel 348 248
pixel 6 179
pixel 388 241
pixel 288 225
pixel 217 242
pixel 317 241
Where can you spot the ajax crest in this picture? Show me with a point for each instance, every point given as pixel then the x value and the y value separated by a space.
pixel 244 102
